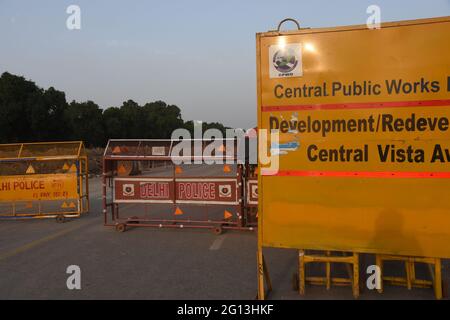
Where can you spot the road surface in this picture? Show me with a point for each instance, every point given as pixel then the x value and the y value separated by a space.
pixel 145 263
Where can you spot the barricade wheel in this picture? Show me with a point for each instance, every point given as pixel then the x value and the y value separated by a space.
pixel 60 218
pixel 121 227
pixel 295 281
pixel 217 231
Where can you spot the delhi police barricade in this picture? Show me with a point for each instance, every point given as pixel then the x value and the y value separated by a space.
pixel 43 180
pixel 144 187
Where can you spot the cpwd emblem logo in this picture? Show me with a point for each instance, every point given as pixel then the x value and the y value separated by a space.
pixel 285 61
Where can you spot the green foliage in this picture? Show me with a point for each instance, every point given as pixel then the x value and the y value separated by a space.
pixel 189 125
pixel 85 122
pixel 29 113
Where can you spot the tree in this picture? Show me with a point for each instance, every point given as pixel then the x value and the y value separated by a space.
pixel 56 106
pixel 113 123
pixel 19 101
pixel 84 121
pixel 189 125
pixel 161 119
pixel 132 119
pixel 30 113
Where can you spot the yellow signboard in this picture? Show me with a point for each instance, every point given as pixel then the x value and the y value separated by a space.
pixel 363 118
pixel 38 187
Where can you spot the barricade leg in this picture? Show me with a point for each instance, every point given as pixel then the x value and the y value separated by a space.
pixel 437 279
pixel 301 272
pixel 412 272
pixel 266 275
pixel 328 271
pixel 410 280
pixel 379 264
pixel 352 261
pixel 408 266
pixel 355 275
pixel 260 271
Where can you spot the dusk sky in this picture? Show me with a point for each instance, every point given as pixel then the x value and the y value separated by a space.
pixel 197 54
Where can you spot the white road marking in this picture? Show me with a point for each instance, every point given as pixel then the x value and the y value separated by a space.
pixel 217 243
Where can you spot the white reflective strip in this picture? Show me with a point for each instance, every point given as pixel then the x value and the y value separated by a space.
pixel 173 157
pixel 204 180
pixel 206 202
pixel 143 201
pixel 249 182
pixel 143 179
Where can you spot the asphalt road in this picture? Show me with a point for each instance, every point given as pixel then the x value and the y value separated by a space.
pixel 145 263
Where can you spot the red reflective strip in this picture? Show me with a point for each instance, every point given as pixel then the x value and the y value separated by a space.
pixel 366 105
pixel 356 174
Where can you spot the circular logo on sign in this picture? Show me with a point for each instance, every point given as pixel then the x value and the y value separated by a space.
pixel 255 191
pixel 284 60
pixel 128 190
pixel 225 191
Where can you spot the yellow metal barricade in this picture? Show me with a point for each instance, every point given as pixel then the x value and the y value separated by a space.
pixel 43 180
pixel 410 280
pixel 328 258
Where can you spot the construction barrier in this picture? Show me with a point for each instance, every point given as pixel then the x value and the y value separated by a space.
pixel 410 280
pixel 143 187
pixel 351 260
pixel 360 162
pixel 43 180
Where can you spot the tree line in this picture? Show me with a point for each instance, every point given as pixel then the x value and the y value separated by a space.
pixel 29 113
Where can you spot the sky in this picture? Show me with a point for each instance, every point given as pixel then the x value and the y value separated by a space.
pixel 197 54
